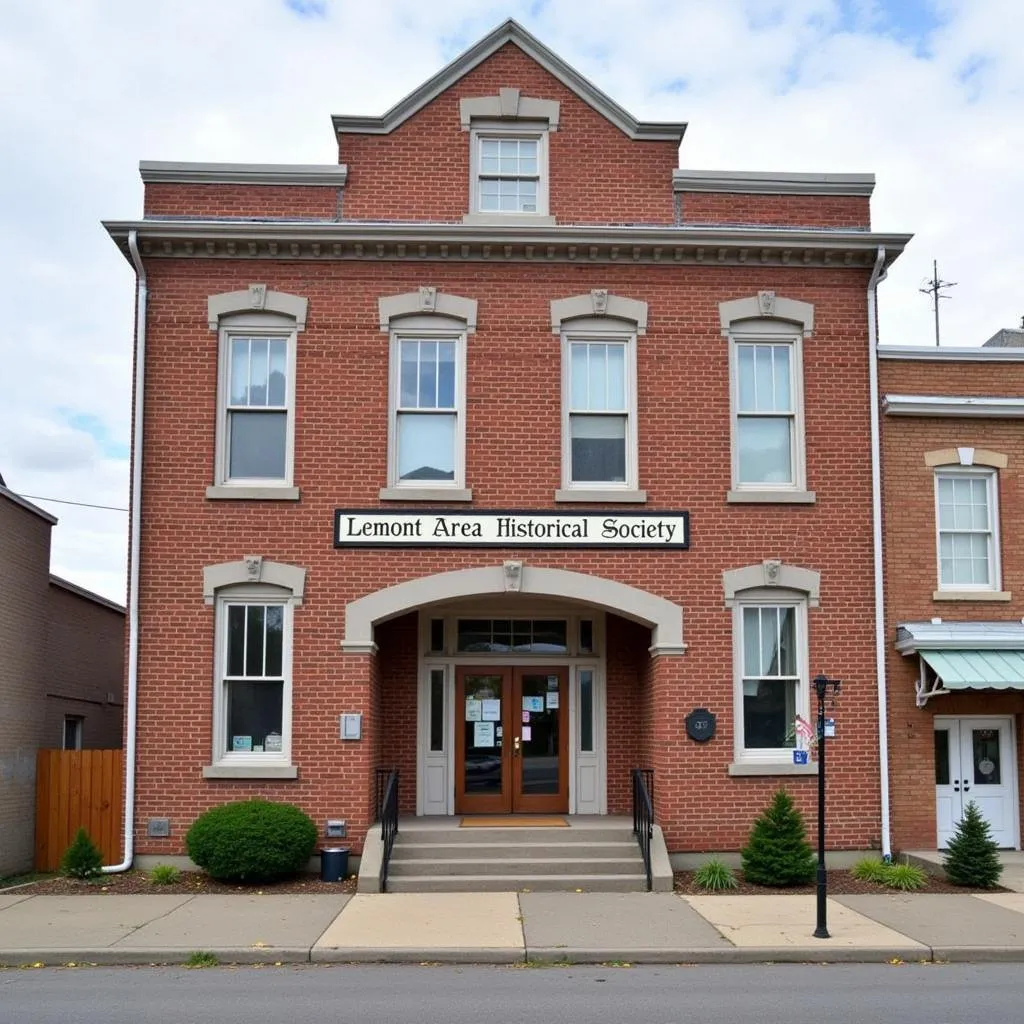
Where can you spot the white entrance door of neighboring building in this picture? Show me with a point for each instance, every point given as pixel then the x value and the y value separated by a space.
pixel 975 760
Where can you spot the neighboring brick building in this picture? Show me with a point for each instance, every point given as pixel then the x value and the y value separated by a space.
pixel 505 297
pixel 61 669
pixel 953 467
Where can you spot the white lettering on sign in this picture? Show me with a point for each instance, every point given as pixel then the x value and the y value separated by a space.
pixel 443 528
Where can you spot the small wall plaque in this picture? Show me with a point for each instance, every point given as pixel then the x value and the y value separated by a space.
pixel 700 725
pixel 351 727
pixel 800 757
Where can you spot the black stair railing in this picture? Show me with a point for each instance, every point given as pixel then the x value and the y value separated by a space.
pixel 387 813
pixel 643 815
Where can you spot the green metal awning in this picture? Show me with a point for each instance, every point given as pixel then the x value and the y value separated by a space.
pixel 978 670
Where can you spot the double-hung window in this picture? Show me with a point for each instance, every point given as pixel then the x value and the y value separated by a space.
pixel 258 407
pixel 966 505
pixel 253 699
pixel 508 176
pixel 766 337
pixel 428 421
pixel 771 677
pixel 599 428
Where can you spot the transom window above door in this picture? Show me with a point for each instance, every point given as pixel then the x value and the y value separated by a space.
pixel 524 636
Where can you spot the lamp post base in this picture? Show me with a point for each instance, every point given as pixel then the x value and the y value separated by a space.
pixel 821 932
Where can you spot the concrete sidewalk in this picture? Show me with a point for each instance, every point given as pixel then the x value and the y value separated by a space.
pixel 509 927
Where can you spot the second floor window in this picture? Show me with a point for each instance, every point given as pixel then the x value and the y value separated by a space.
pixel 427 411
pixel 966 505
pixel 765 414
pixel 598 411
pixel 257 408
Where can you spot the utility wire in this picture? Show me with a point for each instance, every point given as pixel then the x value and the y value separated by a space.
pixel 82 504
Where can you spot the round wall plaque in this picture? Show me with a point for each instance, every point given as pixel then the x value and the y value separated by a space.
pixel 700 725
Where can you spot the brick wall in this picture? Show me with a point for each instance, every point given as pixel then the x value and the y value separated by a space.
pixel 513 461
pixel 776 210
pixel 911 571
pixel 292 202
pixel 24 594
pixel 84 667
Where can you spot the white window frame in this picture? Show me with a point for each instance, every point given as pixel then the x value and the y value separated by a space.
pixel 426 328
pixel 769 333
pixel 991 479
pixel 600 331
pixel 269 326
pixel 769 598
pixel 223 758
pixel 535 131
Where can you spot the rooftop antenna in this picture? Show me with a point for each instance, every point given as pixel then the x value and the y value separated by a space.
pixel 934 289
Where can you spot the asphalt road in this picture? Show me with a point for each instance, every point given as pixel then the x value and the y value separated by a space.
pixel 724 994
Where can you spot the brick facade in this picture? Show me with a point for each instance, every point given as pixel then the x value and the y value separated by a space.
pixel 599 176
pixel 911 569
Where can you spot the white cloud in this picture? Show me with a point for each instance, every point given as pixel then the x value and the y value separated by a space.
pixel 928 96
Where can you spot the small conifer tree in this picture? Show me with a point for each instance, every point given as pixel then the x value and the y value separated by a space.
pixel 82 859
pixel 972 857
pixel 777 852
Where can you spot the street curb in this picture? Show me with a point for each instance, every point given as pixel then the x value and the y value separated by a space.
pixel 114 957
pixel 729 955
pixel 416 955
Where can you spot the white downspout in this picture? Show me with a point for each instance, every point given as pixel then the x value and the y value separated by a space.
pixel 134 546
pixel 877 276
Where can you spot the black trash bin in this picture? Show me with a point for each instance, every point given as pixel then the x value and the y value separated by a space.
pixel 334 864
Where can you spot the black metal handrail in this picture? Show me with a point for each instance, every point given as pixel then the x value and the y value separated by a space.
pixel 643 815
pixel 387 812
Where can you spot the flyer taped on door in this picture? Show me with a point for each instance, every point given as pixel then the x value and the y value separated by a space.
pixel 527 733
pixel 474 710
pixel 533 703
pixel 483 734
pixel 552 700
pixel 491 710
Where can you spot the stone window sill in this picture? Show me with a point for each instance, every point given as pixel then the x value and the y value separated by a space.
pixel 250 771
pixel 972 595
pixel 221 492
pixel 781 768
pixel 599 496
pixel 426 494
pixel 771 497
pixel 493 220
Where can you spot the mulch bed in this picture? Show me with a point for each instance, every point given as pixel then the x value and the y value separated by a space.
pixel 840 883
pixel 191 883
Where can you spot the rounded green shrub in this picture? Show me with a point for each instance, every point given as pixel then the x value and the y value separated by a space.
pixel 82 859
pixel 252 841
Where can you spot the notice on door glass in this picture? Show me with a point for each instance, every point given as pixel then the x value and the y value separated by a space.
pixel 474 711
pixel 491 711
pixel 527 733
pixel 483 734
pixel 526 716
pixel 533 703
pixel 552 700
pixel 552 682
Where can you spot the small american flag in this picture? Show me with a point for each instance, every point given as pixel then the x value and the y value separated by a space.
pixel 804 729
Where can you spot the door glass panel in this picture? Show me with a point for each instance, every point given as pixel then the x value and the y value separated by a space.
pixel 482 734
pixel 437 708
pixel 985 743
pixel 540 748
pixel 941 757
pixel 586 710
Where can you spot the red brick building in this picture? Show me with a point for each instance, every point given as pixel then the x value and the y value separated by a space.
pixel 499 448
pixel 953 455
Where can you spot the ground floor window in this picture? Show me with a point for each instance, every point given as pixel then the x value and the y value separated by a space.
pixel 73 732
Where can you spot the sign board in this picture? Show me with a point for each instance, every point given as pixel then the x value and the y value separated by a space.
pixel 439 528
pixel 800 757
pixel 700 725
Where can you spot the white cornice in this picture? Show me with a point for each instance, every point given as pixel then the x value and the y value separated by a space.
pixel 511 31
pixel 927 353
pixel 178 173
pixel 349 240
pixel 774 183
pixel 6 492
pixel 954 405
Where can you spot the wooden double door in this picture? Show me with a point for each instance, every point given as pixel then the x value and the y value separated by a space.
pixel 512 740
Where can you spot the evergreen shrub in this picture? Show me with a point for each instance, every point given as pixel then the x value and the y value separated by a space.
pixel 972 857
pixel 252 841
pixel 777 852
pixel 82 859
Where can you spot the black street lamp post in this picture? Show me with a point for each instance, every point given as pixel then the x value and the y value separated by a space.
pixel 822 684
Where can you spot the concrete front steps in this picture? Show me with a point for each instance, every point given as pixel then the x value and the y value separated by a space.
pixel 452 859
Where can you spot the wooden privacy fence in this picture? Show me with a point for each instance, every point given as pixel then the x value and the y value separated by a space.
pixel 78 789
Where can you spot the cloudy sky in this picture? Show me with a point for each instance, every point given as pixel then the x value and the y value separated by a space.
pixel 927 94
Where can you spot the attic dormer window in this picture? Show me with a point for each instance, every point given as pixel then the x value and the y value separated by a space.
pixel 509 156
